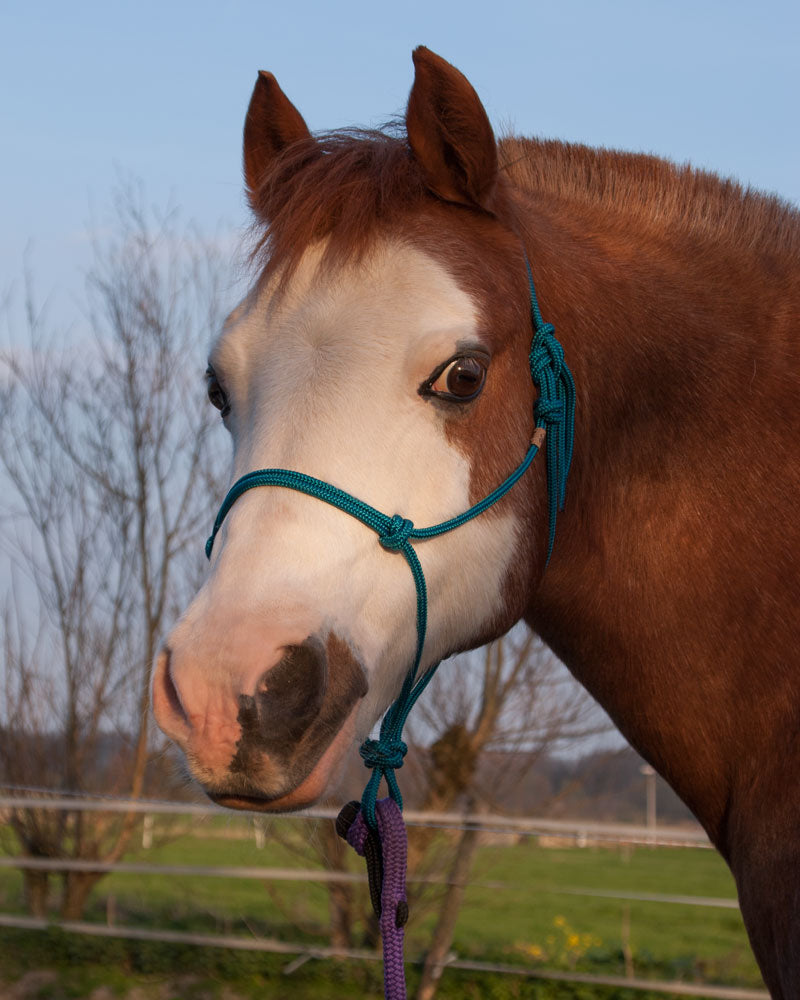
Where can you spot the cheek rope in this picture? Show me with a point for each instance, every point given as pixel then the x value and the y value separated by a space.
pixel 376 829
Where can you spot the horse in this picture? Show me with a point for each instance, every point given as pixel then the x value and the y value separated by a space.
pixel 383 348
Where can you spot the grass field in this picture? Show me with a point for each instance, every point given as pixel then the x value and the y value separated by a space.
pixel 518 910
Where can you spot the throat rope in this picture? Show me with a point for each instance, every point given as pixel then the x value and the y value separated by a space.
pixel 554 413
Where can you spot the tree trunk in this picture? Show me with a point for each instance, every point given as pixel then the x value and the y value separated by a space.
pixel 341 915
pixel 340 894
pixel 448 914
pixel 75 893
pixel 36 891
pixel 453 761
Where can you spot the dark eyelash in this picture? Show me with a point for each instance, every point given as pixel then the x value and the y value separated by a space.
pixel 211 375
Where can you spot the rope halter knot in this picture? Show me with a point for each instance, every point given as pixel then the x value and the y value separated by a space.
pixel 397 533
pixel 546 352
pixel 549 411
pixel 383 754
pixel 383 757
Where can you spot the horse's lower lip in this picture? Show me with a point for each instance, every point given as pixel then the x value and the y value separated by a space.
pixel 304 795
pixel 309 790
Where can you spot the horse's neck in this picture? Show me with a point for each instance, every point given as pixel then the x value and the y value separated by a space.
pixel 670 590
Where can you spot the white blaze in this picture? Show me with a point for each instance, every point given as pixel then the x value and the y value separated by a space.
pixel 323 380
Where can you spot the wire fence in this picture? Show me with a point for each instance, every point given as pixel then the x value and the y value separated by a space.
pixel 582 831
pixel 576 832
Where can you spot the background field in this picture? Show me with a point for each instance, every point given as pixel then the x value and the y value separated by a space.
pixel 521 908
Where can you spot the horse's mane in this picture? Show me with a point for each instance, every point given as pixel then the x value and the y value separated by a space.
pixel 657 191
pixel 352 185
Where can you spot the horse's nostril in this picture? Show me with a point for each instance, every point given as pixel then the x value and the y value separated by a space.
pixel 168 686
pixel 290 695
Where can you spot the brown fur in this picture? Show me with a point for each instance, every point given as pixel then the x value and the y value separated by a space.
pixel 673 593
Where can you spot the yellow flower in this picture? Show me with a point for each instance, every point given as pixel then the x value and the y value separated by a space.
pixel 560 922
pixel 573 940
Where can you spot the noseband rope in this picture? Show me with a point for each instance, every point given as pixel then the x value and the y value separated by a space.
pixel 375 829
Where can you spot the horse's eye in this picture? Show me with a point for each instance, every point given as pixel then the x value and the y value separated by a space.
pixel 216 394
pixel 460 380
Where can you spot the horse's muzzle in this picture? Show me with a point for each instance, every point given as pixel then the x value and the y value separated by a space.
pixel 254 747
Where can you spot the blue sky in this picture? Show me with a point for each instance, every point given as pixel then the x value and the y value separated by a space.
pixel 159 91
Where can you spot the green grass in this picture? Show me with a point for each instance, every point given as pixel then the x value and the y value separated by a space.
pixel 667 939
pixel 81 965
pixel 529 919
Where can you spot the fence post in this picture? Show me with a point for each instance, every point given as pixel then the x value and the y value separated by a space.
pixel 147 831
pixel 259 832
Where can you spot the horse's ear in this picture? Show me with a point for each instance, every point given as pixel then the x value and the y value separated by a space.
pixel 449 133
pixel 272 123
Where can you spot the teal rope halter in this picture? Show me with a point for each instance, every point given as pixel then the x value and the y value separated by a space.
pixel 555 408
pixel 555 421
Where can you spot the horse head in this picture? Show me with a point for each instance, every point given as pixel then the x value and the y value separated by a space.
pixel 384 350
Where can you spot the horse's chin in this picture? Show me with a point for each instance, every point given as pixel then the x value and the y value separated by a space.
pixel 305 794
pixel 308 791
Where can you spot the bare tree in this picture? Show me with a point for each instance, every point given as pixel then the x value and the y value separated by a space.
pixel 106 450
pixel 512 704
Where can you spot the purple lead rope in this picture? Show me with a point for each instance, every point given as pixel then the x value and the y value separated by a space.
pixel 386 853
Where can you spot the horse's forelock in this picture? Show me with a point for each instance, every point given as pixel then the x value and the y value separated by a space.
pixel 360 188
